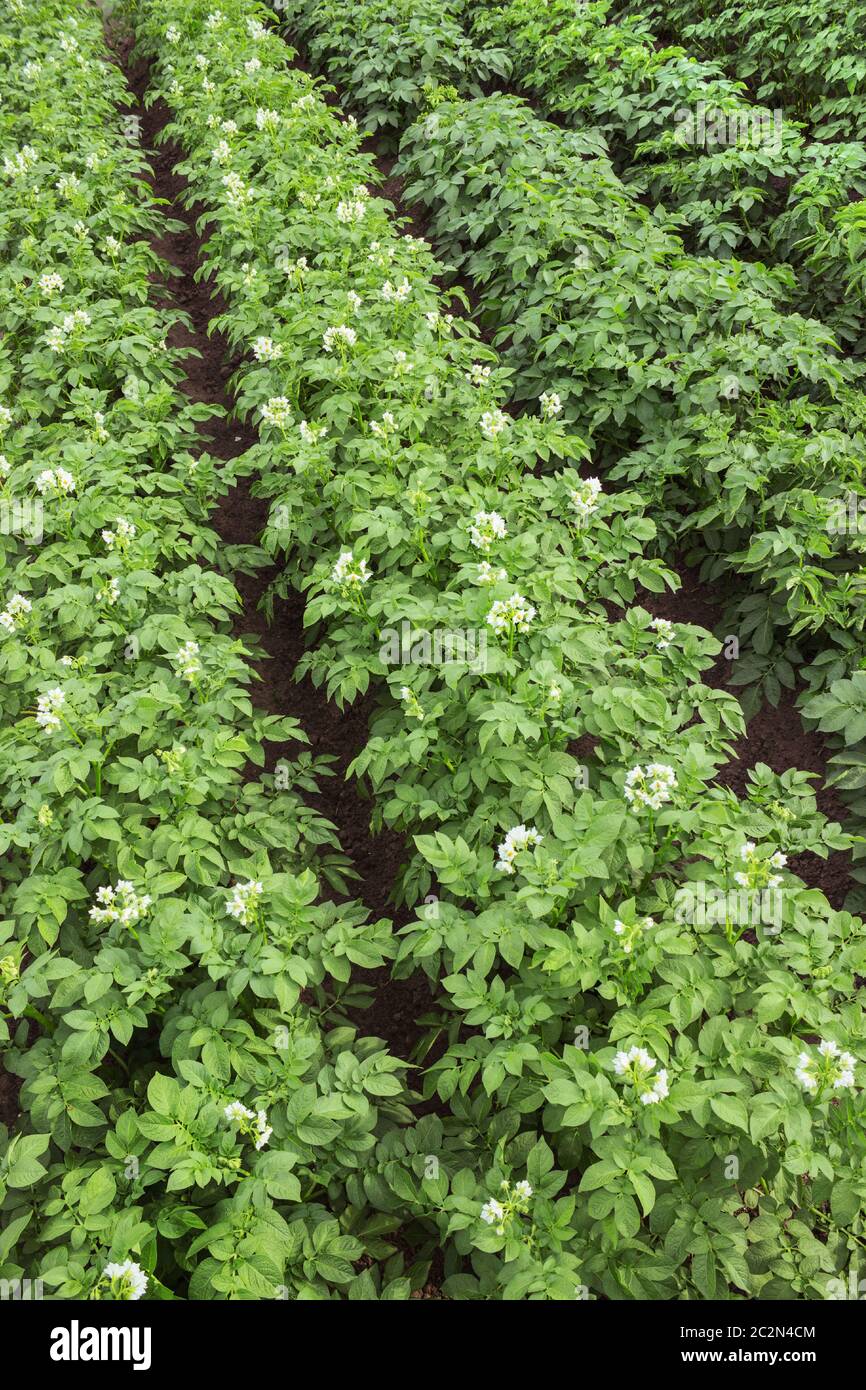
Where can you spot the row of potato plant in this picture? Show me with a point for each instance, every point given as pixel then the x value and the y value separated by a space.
pixel 176 947
pixel 744 179
pixel 808 57
pixel 627 1102
pixel 748 429
pixel 738 178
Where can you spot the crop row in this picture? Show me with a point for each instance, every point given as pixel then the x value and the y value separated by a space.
pixel 562 937
pixel 143 845
pixel 738 422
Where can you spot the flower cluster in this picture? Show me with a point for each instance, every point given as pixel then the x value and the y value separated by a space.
pixel 47 706
pixel 15 612
pixel 501 1212
pixel 338 333
pixel 50 283
pixel 350 573
pixel 757 871
pixel 832 1069
pixel 124 532
pixel 584 498
pixel 521 837
pixel 629 934
pixel 490 574
pixel 637 1066
pixel 243 904
pixel 120 904
pixel 121 1283
pixel 58 336
pixel 478 374
pixel 666 633
pixel 511 614
pixel 264 349
pixel 414 708
pixel 493 422
pixel 187 661
pixel 487 527
pixel 55 480
pixel 278 412
pixel 651 786
pixel 551 405
pixel 252 1123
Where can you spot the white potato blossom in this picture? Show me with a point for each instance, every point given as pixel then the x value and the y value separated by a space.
pixel 514 1202
pixel 252 1123
pixel 221 152
pixel 110 592
pixel 493 422
pixel 651 786
pixel 486 529
pixel 120 904
pixel 396 294
pixel 832 1069
pixel 479 373
pixel 187 661
pixel 124 532
pixel 267 119
pixel 311 434
pixel 339 333
pixel 637 1066
pixel 511 614
pixel 352 210
pixel 551 405
pixel 47 706
pixel 51 283
pixel 244 902
pixel 126 1282
pixel 16 610
pixel 252 65
pixel 278 412
pixel 349 572
pixel 355 301
pixel 5 417
pixel 665 631
pixel 172 34
pixel 264 349
pixel 584 497
pixel 490 574
pixel 387 425
pixel 520 837
pixel 756 872
pixel 237 192
pixel 55 480
pixel 630 933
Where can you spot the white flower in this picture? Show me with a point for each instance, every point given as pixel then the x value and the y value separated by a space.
pixel 120 904
pixel 51 283
pixel 353 210
pixel 492 1211
pixel 221 152
pixel 523 1188
pixel 832 1068
pixel 253 65
pixel 396 294
pixel 651 786
pixel 515 613
pixel 187 662
pixel 778 860
pixel 172 34
pixel 584 498
pixel 478 374
pixel 311 434
pixel 128 1281
pixel 237 1111
pixel 386 426
pixel 237 191
pixel 488 575
pixel 487 527
pixel 349 572
pixel 551 405
pixel 264 1130
pixel 124 532
pixel 266 350
pixel 337 334
pixel 355 301
pixel 243 903
pixel 493 422
pixel 46 707
pixel 278 412
pixel 520 837
pixel 637 1066
pixel 55 480
pixel 15 611
pixel 665 631
pixel 5 417
pixel 113 246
